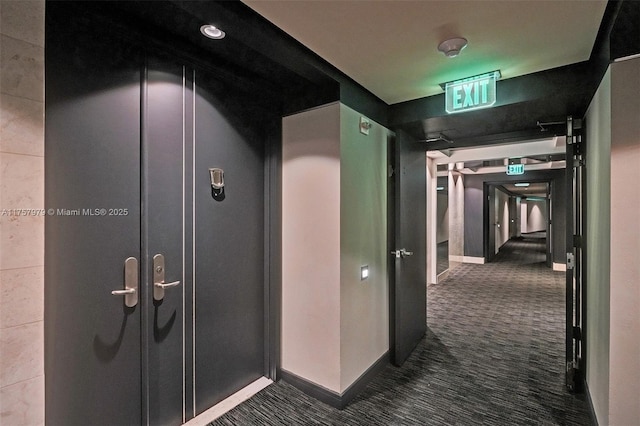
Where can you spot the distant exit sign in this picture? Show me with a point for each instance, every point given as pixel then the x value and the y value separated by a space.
pixel 471 93
pixel 515 169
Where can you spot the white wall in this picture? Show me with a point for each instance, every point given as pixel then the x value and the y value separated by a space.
pixel 598 149
pixel 334 325
pixel 311 245
pixel 613 244
pixel 533 216
pixel 364 304
pixel 624 355
pixel 456 218
pixel 442 217
pixel 432 221
pixel 518 217
pixel 21 237
pixel 502 218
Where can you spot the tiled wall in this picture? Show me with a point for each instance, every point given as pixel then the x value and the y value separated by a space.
pixel 21 232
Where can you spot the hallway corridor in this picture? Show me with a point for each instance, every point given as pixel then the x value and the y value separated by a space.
pixel 493 355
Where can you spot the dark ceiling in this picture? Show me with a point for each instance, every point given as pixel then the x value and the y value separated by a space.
pixel 264 60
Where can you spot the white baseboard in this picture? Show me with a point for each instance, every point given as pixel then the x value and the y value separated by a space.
pixel 471 259
pixel 442 276
pixel 561 267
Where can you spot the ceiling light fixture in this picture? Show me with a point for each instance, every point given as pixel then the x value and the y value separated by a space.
pixel 522 184
pixel 212 32
pixel 453 46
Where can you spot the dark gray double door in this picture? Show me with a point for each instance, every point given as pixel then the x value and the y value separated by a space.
pixel 129 147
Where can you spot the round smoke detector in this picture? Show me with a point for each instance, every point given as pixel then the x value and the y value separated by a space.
pixel 452 47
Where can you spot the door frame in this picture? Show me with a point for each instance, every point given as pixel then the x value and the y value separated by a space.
pixel 488 247
pixel 391 236
pixel 273 253
pixel 272 212
pixel 576 237
pixel 272 229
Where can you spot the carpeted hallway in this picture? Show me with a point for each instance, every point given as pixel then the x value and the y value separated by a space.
pixel 493 355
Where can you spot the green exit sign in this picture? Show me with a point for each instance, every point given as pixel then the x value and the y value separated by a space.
pixel 515 169
pixel 471 93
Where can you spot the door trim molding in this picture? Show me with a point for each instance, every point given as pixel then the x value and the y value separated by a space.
pixel 229 403
pixel 273 253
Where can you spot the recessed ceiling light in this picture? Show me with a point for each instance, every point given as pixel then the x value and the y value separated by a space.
pixel 212 31
pixel 453 46
pixel 522 184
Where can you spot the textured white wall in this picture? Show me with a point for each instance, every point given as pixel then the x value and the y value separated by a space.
pixel 21 237
pixel 311 245
pixel 624 407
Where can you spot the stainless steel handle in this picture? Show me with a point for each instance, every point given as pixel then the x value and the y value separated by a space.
pixel 167 285
pixel 158 278
pixel 123 292
pixel 401 253
pixel 130 291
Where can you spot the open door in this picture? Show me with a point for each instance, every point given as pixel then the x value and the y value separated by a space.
pixel 575 288
pixel 408 266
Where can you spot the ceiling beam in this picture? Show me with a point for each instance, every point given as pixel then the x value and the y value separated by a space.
pixel 549 146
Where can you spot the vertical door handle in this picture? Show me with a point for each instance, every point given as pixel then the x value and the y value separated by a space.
pixel 158 278
pixel 130 291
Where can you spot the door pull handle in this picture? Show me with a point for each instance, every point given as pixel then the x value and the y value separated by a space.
pixel 159 285
pixel 130 291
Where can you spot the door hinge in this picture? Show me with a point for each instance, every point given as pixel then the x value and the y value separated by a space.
pixel 578 162
pixel 574 377
pixel 577 333
pixel 577 123
pixel 577 241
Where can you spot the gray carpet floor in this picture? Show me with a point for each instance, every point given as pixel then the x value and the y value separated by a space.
pixel 493 355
